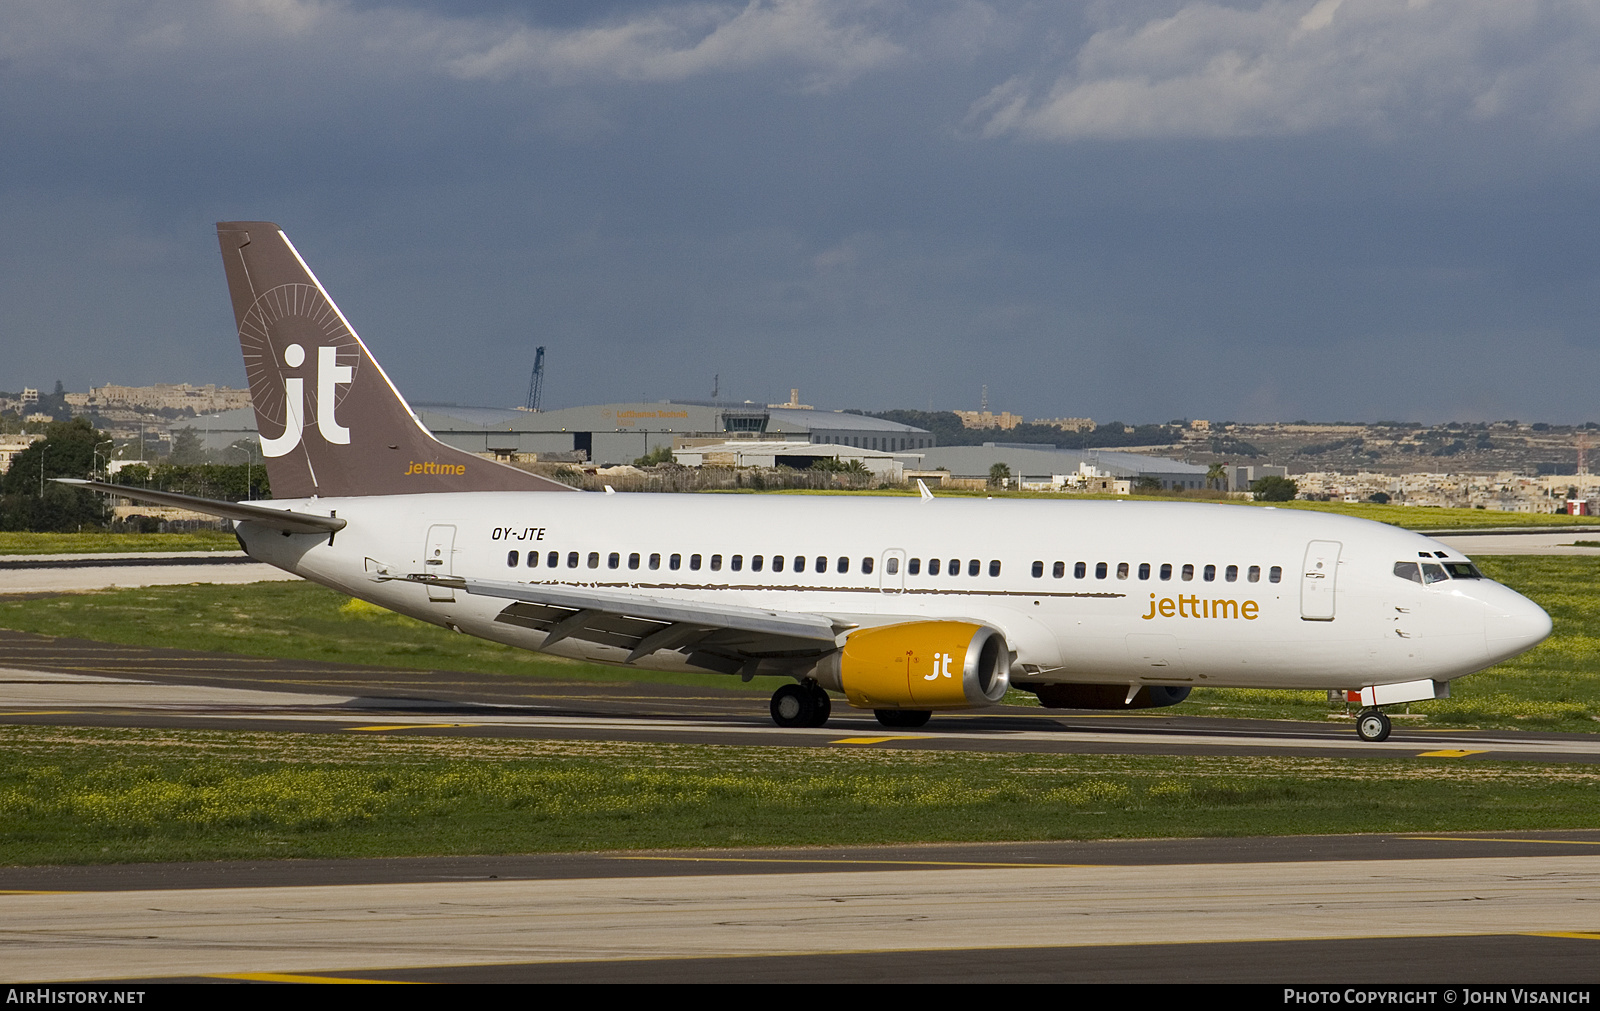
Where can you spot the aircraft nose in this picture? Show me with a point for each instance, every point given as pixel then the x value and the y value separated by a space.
pixel 1513 624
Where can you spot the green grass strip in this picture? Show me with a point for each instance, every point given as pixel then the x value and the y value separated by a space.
pixel 70 795
pixel 14 542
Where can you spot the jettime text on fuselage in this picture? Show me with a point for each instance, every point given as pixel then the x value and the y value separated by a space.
pixel 1192 606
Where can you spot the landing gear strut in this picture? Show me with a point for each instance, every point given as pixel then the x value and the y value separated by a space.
pixel 801 705
pixel 1372 725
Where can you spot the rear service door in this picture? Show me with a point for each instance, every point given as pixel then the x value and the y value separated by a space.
pixel 1317 578
pixel 438 559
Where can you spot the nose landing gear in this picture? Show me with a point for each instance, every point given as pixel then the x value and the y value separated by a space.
pixel 1372 726
pixel 802 705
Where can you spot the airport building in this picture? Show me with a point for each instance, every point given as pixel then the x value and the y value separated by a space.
pixel 1043 467
pixel 609 434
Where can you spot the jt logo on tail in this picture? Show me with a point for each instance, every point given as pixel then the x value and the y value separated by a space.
pixel 330 376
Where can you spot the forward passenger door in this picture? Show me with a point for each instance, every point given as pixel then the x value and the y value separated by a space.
pixel 1317 578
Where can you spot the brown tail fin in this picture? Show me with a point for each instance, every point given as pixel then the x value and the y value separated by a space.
pixel 331 423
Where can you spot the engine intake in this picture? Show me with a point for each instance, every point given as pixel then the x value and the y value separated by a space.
pixel 920 665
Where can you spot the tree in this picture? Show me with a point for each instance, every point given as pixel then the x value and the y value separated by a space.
pixel 31 501
pixel 1217 476
pixel 1274 489
pixel 1379 497
pixel 1147 484
pixel 1000 475
pixel 187 447
pixel 659 455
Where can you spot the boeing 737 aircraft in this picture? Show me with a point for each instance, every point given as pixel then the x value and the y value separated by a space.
pixel 902 606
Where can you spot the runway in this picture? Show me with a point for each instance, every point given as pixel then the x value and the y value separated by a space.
pixel 1447 909
pixel 59 681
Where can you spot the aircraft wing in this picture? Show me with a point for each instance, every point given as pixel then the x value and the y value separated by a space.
pixel 266 515
pixel 727 638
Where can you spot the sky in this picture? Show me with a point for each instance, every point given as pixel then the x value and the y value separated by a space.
pixel 1136 211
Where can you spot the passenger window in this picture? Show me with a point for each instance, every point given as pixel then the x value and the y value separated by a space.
pixel 736 562
pixel 594 559
pixel 1433 572
pixel 893 566
pixel 694 563
pixel 512 558
pixel 1059 570
pixel 866 566
pixel 533 559
pixel 1231 574
pixel 633 560
pixel 1166 570
pixel 674 561
pixel 777 563
pixel 933 566
pixel 1188 572
pixel 552 560
pixel 1210 574
pixel 1080 570
pixel 655 561
pixel 1408 570
pixel 756 561
pixel 1122 570
pixel 954 568
pixel 1144 570
pixel 799 563
pixel 572 559
pixel 1255 573
pixel 1099 570
pixel 914 566
pixel 1275 574
pixel 974 567
pixel 822 564
pixel 844 564
pixel 1038 570
pixel 716 563
pixel 994 567
pixel 613 560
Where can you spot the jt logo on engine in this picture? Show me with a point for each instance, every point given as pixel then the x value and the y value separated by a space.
pixel 330 375
pixel 941 665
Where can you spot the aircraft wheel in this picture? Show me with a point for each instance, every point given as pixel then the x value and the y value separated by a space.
pixel 1372 726
pixel 822 703
pixel 794 706
pixel 903 718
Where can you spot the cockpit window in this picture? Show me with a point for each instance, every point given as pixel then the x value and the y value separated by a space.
pixel 1408 570
pixel 1462 570
pixel 1433 573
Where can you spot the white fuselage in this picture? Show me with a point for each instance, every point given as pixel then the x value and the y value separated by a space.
pixel 1099 609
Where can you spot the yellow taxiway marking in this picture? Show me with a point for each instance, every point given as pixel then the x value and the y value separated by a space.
pixel 880 740
pixel 1450 753
pixel 857 863
pixel 289 977
pixel 412 726
pixel 1577 934
pixel 1485 838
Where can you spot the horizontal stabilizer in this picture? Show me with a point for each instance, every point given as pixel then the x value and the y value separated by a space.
pixel 263 515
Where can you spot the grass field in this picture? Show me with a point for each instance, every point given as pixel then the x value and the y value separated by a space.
pixel 14 542
pixel 70 795
pixel 1555 686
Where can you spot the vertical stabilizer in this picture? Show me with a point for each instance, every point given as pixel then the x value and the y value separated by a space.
pixel 331 422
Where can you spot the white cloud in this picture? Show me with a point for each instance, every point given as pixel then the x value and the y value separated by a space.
pixel 824 43
pixel 1287 68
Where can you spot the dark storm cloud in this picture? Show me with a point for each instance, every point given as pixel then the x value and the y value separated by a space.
pixel 1138 211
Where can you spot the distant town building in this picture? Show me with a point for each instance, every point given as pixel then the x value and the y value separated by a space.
pixel 1241 477
pixel 1068 424
pixel 29 395
pixel 206 399
pixel 11 445
pixel 794 403
pixel 987 419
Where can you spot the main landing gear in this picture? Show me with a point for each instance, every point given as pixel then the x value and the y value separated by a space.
pixel 1372 726
pixel 802 705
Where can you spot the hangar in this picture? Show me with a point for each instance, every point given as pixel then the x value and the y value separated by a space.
pixel 1042 467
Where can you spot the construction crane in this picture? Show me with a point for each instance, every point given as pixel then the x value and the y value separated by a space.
pixel 536 381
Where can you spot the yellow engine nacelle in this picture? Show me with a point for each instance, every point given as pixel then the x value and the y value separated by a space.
pixel 920 665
